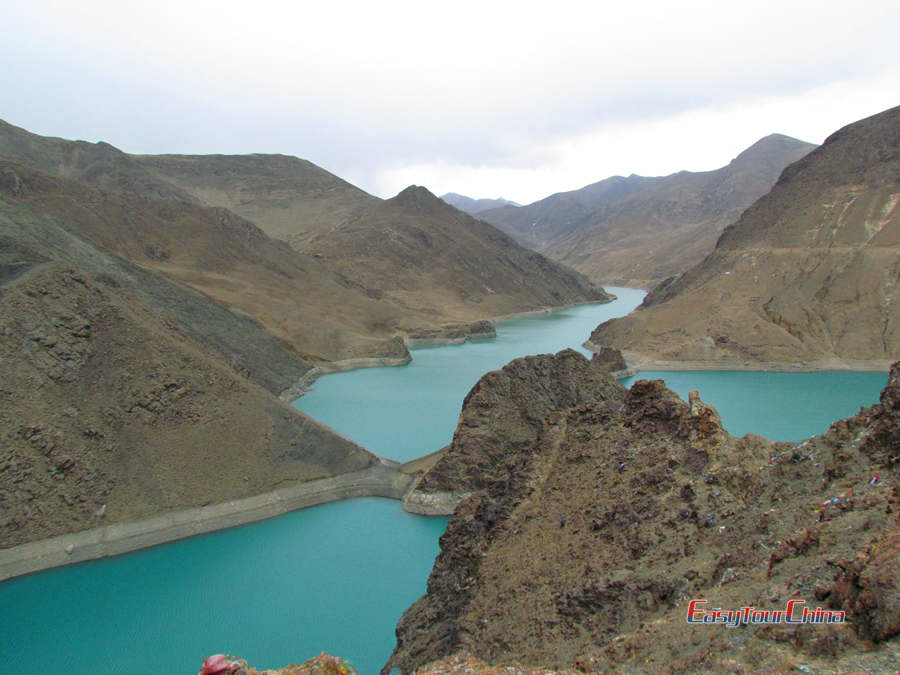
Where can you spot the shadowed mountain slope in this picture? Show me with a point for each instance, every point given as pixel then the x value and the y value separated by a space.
pixel 310 309
pixel 636 231
pixel 809 275
pixel 112 411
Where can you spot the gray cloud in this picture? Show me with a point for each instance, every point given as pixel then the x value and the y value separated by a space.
pixel 357 89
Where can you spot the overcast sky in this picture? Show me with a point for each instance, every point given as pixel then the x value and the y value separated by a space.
pixel 484 98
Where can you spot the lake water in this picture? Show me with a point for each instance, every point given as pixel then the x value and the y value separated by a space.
pixel 779 406
pixel 407 412
pixel 337 577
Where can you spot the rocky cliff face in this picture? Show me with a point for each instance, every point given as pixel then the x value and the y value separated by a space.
pixel 586 549
pixel 808 276
pixel 109 412
pixel 502 415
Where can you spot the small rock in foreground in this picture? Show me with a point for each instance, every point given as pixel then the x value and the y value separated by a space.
pixel 323 664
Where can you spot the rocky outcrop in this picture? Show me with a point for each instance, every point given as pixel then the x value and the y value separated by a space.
pixel 466 664
pixel 585 551
pixel 323 664
pixel 611 360
pixel 808 277
pixel 502 414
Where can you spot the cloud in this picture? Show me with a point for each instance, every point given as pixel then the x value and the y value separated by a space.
pixel 701 139
pixel 372 91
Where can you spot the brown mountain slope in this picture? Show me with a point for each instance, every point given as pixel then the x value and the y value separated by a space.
pixel 585 548
pixel 296 201
pixel 286 196
pixel 99 164
pixel 31 232
pixel 808 276
pixel 425 255
pixel 637 231
pixel 412 250
pixel 320 315
pixel 109 412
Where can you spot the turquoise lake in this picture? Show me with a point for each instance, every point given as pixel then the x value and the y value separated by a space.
pixel 337 577
pixel 406 412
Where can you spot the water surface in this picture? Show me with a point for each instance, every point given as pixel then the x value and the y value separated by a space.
pixel 779 406
pixel 335 577
pixel 409 411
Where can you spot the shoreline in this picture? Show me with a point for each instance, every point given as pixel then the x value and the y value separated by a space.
pixel 642 362
pixel 548 310
pixel 441 342
pixel 385 479
pixel 303 385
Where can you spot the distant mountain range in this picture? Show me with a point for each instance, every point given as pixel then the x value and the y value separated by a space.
pixel 638 230
pixel 475 206
pixel 809 274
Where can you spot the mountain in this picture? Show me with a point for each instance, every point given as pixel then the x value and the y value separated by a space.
pixel 440 270
pixel 493 427
pixel 807 277
pixel 474 206
pixel 146 334
pixel 126 395
pixel 377 245
pixel 286 196
pixel 636 231
pixel 422 254
pixel 182 206
pixel 216 253
pixel 594 525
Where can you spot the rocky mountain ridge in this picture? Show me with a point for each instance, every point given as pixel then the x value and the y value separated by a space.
pixel 495 426
pixel 583 548
pixel 636 230
pixel 807 277
pixel 346 312
pixel 422 254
